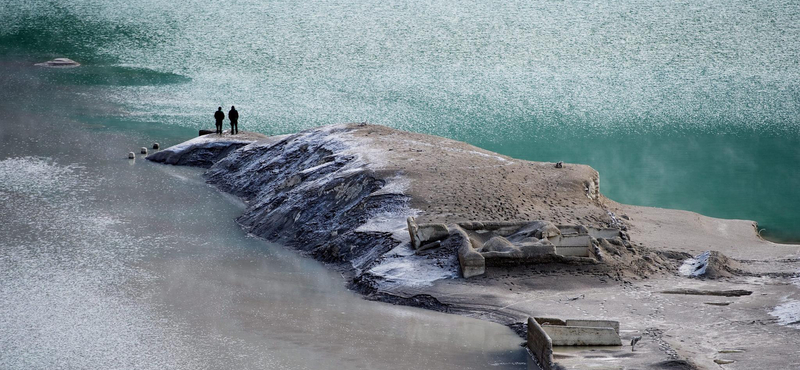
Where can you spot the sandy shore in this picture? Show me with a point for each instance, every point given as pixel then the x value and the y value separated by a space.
pixel 342 193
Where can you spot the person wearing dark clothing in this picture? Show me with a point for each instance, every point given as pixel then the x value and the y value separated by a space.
pixel 219 116
pixel 233 115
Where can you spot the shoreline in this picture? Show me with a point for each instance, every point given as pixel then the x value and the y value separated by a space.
pixel 341 194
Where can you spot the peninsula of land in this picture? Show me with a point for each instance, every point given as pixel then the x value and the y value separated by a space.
pixel 431 222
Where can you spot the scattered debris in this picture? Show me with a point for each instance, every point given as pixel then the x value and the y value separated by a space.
pixel 718 303
pixel 723 362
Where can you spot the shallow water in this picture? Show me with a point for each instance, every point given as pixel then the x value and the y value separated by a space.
pixel 110 263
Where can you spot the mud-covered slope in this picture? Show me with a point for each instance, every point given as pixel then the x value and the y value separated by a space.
pixel 312 192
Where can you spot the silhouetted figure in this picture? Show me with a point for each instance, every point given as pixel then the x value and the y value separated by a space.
pixel 219 116
pixel 233 115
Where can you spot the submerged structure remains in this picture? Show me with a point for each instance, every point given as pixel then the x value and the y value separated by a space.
pixel 544 333
pixel 497 243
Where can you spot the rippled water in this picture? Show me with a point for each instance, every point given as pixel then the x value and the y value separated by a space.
pixel 678 104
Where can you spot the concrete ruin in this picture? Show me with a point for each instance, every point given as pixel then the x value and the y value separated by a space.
pixel 497 243
pixel 544 333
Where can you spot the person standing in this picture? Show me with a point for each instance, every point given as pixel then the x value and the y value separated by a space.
pixel 219 116
pixel 233 115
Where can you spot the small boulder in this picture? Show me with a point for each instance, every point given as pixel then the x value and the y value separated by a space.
pixel 155 146
pixel 560 164
pixel 59 63
pixel 131 155
pixel 144 150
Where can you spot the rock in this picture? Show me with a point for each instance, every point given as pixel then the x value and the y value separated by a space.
pixel 144 150
pixel 131 155
pixel 206 132
pixel 155 146
pixel 635 340
pixel 59 63
pixel 560 164
pixel 723 362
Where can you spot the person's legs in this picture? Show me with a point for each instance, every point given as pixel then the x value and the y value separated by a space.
pixel 233 128
pixel 236 126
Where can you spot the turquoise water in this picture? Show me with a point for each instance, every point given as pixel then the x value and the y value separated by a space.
pixel 690 105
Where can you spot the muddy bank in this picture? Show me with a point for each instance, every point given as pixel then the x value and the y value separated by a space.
pixel 343 194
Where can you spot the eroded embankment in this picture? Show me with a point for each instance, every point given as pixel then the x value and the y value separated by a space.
pixel 310 191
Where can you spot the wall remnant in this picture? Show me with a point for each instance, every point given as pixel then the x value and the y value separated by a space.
pixel 546 332
pixel 497 243
pixel 540 345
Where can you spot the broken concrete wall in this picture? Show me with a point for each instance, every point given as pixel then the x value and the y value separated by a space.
pixel 582 336
pixel 595 323
pixel 540 345
pixel 471 262
pixel 500 243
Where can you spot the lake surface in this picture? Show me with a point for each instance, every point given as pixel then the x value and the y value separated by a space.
pixel 107 263
pixel 678 104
